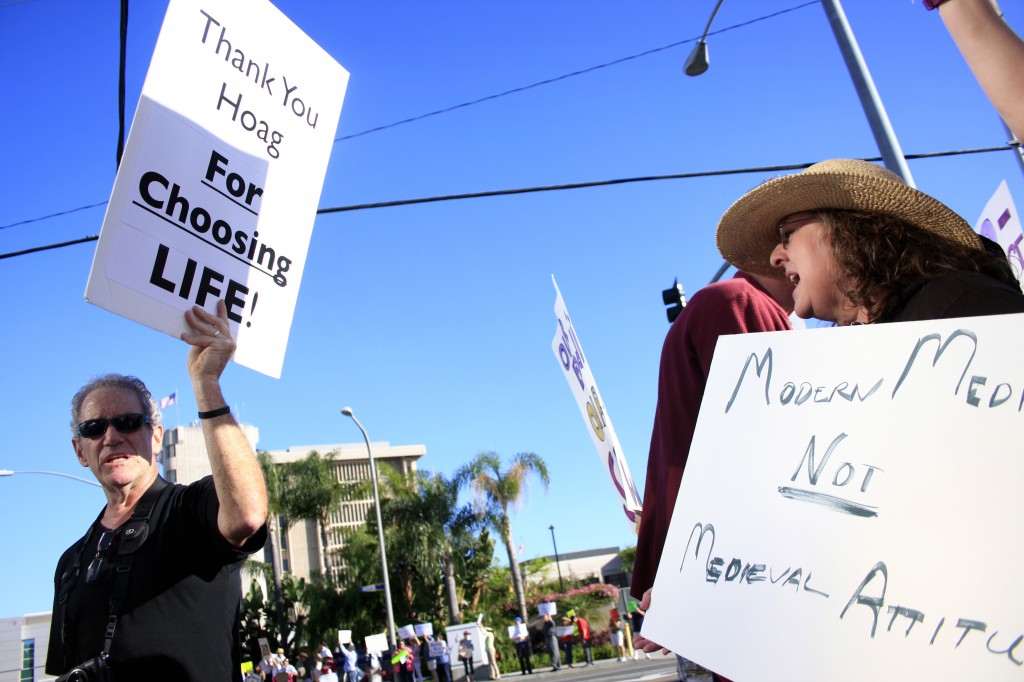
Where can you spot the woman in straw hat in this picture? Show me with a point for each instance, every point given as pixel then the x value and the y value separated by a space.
pixel 861 246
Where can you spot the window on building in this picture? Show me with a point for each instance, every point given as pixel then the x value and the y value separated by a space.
pixel 616 579
pixel 28 660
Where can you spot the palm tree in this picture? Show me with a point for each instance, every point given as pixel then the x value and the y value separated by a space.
pixel 270 475
pixel 311 490
pixel 422 517
pixel 495 492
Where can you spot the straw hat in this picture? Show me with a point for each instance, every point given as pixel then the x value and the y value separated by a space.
pixel 748 231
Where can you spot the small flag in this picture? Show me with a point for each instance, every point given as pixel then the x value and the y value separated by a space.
pixel 167 401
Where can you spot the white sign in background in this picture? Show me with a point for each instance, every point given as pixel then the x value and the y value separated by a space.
pixel 567 349
pixel 378 643
pixel 851 507
pixel 217 191
pixel 1000 222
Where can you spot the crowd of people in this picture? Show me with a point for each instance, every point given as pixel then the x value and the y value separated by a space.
pixel 419 658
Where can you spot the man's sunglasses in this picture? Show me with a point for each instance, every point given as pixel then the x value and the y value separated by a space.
pixel 93 572
pixel 124 423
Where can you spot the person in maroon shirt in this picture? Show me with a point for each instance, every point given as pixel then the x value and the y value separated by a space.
pixel 746 303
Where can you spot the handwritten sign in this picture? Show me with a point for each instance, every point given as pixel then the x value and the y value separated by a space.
pixel 217 190
pixel 517 631
pixel 437 648
pixel 406 631
pixel 547 608
pixel 423 629
pixel 567 349
pixel 850 507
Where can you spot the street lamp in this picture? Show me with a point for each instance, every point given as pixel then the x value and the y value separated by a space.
pixel 8 472
pixel 561 587
pixel 347 411
pixel 885 138
pixel 697 62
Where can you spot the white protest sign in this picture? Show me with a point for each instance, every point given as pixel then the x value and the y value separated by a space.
pixel 567 349
pixel 344 637
pixel 406 631
pixel 1000 222
pixel 376 643
pixel 437 648
pixel 423 629
pixel 218 187
pixel 548 608
pixel 564 630
pixel 850 507
pixel 516 631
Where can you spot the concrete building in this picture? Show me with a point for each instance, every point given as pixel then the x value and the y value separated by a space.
pixel 301 543
pixel 602 565
pixel 23 642
pixel 184 459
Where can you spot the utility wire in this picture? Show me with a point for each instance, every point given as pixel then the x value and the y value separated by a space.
pixel 121 90
pixel 576 185
pixel 52 215
pixel 573 74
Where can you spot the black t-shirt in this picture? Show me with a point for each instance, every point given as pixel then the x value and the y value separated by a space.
pixel 958 295
pixel 180 619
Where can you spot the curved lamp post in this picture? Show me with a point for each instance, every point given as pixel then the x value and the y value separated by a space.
pixel 697 62
pixel 885 137
pixel 8 472
pixel 347 411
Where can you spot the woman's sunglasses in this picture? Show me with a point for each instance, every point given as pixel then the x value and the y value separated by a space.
pixel 124 423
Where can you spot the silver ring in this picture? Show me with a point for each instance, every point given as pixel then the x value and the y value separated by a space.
pixel 216 332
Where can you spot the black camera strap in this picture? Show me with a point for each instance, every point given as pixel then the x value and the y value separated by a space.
pixel 132 535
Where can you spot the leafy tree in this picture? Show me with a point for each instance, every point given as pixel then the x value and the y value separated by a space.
pixel 362 611
pixel 496 492
pixel 270 475
pixel 256 613
pixel 431 537
pixel 628 557
pixel 309 489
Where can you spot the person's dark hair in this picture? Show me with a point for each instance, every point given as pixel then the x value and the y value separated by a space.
pixel 128 383
pixel 882 260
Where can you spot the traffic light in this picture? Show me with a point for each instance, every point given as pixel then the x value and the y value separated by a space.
pixel 675 298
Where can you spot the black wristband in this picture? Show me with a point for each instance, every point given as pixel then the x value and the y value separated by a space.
pixel 219 412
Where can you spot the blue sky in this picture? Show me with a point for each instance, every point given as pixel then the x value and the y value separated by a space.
pixel 434 321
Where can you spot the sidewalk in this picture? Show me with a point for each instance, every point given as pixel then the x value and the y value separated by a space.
pixel 658 668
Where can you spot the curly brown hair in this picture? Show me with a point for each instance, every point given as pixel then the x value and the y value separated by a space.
pixel 882 260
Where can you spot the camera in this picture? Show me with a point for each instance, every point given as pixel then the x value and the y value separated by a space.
pixel 93 670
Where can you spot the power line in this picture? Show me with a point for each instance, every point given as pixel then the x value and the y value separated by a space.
pixel 432 113
pixel 573 74
pixel 576 185
pixel 52 215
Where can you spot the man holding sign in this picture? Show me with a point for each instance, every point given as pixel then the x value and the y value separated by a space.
pixel 152 590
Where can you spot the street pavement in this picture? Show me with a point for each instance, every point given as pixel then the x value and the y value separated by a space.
pixel 658 668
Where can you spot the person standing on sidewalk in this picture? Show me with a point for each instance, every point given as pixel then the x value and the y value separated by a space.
pixel 583 627
pixel 567 640
pixel 523 651
pixel 492 653
pixel 551 641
